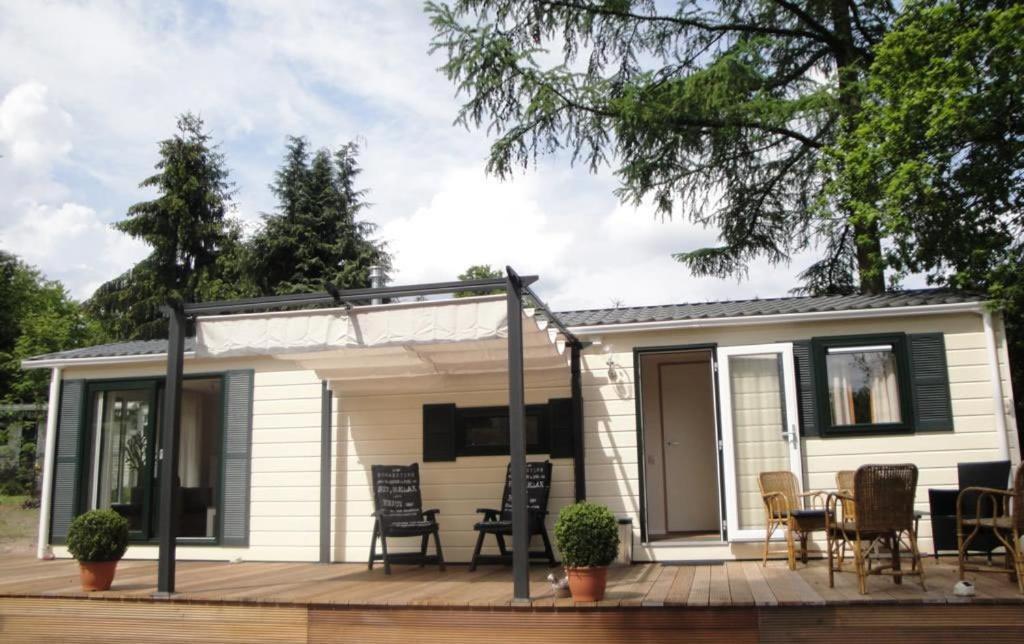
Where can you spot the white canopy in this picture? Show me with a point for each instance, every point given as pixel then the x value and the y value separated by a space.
pixel 457 336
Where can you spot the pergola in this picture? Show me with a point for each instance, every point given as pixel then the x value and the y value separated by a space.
pixel 515 287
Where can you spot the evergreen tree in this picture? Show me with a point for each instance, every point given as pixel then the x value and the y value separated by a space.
pixel 189 230
pixel 316 236
pixel 722 109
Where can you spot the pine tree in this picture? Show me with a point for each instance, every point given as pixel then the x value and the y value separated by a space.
pixel 316 237
pixel 188 228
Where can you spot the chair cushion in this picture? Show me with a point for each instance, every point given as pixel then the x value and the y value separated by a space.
pixel 1003 523
pixel 504 527
pixel 803 514
pixel 410 527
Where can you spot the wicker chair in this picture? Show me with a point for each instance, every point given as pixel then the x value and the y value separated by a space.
pixel 786 507
pixel 881 516
pixel 996 512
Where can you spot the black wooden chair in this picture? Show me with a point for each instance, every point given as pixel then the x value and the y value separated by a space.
pixel 942 505
pixel 499 523
pixel 398 512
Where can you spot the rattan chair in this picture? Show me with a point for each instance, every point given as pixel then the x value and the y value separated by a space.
pixel 880 516
pixel 999 513
pixel 798 513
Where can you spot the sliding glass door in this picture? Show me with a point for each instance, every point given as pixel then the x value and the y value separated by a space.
pixel 123 418
pixel 123 455
pixel 759 421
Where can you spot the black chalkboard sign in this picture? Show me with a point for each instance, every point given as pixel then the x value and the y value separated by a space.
pixel 538 485
pixel 396 489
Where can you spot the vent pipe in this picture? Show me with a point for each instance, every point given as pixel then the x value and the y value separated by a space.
pixel 376 281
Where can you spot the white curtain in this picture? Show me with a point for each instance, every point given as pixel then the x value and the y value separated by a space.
pixel 849 373
pixel 190 456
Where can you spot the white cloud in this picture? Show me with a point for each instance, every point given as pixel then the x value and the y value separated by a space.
pixel 91 88
pixel 474 220
pixel 34 131
pixel 90 252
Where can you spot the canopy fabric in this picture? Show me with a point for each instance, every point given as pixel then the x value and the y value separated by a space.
pixel 463 335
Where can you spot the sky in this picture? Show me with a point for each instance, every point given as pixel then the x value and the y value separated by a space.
pixel 87 89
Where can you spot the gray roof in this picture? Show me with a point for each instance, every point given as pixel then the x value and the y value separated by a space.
pixel 115 350
pixel 768 306
pixel 631 314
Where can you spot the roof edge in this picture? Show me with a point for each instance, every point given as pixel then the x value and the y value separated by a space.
pixel 777 318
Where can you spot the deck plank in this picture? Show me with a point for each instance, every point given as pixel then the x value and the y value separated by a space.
pixel 759 589
pixel 700 589
pixel 740 593
pixel 719 592
pixel 661 587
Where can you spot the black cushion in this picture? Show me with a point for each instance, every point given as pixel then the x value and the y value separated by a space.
pixel 804 514
pixel 400 528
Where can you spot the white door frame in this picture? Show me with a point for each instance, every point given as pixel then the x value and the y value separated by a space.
pixel 790 433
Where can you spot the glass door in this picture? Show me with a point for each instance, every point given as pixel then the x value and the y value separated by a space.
pixel 759 423
pixel 123 422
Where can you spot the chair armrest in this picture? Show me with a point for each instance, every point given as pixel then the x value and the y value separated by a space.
pixel 831 501
pixel 487 511
pixel 999 500
pixel 431 513
pixel 776 503
pixel 820 495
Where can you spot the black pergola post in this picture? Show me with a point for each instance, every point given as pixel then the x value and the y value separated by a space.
pixel 517 440
pixel 576 389
pixel 168 449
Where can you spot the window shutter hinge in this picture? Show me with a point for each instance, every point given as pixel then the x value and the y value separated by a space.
pixel 714 365
pixel 719 444
pixel 160 454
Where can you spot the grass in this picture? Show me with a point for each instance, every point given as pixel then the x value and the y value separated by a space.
pixel 17 525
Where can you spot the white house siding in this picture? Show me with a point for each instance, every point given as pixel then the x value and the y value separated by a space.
pixel 610 416
pixel 381 422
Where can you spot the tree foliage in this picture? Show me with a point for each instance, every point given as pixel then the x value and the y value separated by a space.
pixel 937 153
pixel 316 237
pixel 719 110
pixel 36 316
pixel 189 230
pixel 479 272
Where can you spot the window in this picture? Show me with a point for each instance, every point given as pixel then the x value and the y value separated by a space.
pixel 124 435
pixel 483 431
pixel 863 384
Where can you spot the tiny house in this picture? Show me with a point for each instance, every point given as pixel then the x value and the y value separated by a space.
pixel 664 413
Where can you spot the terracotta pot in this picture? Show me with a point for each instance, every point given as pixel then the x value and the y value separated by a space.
pixel 587 584
pixel 96 575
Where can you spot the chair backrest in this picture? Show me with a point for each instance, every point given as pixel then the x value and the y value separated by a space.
pixel 992 474
pixel 538 488
pixel 396 489
pixel 783 482
pixel 884 497
pixel 844 485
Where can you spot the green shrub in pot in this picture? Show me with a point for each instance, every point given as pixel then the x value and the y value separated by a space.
pixel 587 535
pixel 98 539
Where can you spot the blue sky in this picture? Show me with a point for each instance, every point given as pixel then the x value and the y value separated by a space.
pixel 88 88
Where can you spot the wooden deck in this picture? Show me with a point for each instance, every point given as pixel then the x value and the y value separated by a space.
pixel 289 602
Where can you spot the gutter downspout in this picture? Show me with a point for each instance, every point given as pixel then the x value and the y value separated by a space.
pixel 46 493
pixel 998 404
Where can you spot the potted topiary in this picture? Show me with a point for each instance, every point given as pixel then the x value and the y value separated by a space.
pixel 588 538
pixel 98 539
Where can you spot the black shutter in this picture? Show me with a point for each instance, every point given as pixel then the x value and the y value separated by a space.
pixel 65 470
pixel 933 408
pixel 560 427
pixel 438 432
pixel 237 461
pixel 806 398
